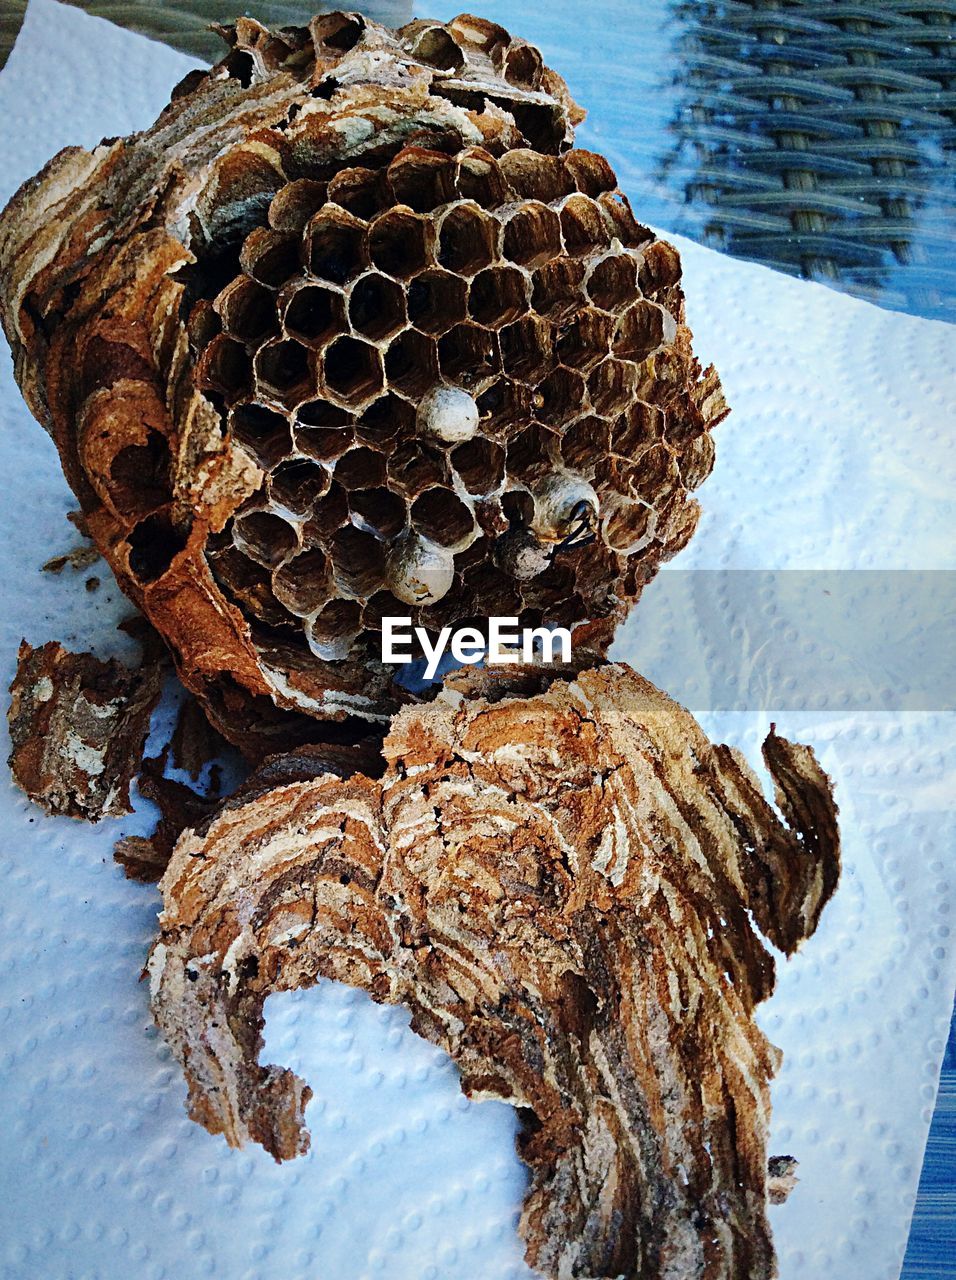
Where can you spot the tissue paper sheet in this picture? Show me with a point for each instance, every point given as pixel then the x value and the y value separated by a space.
pixel 836 457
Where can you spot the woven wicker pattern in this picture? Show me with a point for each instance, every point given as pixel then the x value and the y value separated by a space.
pixel 816 136
pixel 822 136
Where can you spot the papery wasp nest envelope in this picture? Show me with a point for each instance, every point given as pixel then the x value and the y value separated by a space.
pixel 566 884
pixel 352 331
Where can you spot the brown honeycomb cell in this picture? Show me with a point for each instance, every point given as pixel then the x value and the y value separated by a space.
pixel 354 330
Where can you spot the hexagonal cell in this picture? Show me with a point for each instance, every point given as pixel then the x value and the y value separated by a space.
pixel 352 370
pixel 505 406
pixel 656 470
pixel 398 243
pixel 660 267
pixel 416 466
pixel 153 545
pixel 202 324
pixel 533 454
pixel 478 178
pixel 283 371
pixel 583 227
pixel 587 339
pixel 411 363
pixel 422 179
pixel 249 586
pixel 312 313
pixel 324 444
pixel 642 330
pixel 331 632
pixel 340 31
pixel 248 310
pixel 297 485
pixel 498 296
pixel 523 65
pixel 561 396
pixel 386 418
pixel 518 507
pixel 626 527
pixel 697 461
pixel 481 465
pixel 676 525
pixel 360 468
pixel 270 257
pixel 467 240
pixel 328 514
pixel 140 475
pixel 322 413
pixel 557 289
pixel 360 191
pixel 335 245
pixel 436 301
pixel 584 442
pixel 433 44
pixel 376 307
pixel 491 592
pixel 612 281
pixel 527 349
pixel 295 203
pixel 532 235
pixel 469 355
pixel 619 474
pixel 617 210
pixel 264 433
pixel 265 537
pixel 378 511
pixel 439 514
pixel 358 562
pixel 613 387
pixel 224 367
pixel 640 426
pixel 590 172
pixel 304 584
pixel 382 605
pixel 534 176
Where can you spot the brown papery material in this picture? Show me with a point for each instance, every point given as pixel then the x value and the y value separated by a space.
pixel 354 331
pixel 78 727
pixel 564 885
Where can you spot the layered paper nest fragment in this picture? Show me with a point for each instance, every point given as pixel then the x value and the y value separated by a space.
pixel 564 885
pixel 353 330
pixel 78 727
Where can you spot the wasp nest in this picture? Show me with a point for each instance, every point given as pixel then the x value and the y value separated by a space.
pixel 353 330
pixel 565 887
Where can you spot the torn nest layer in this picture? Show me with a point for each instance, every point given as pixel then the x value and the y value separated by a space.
pixel 77 729
pixel 564 885
pixel 351 331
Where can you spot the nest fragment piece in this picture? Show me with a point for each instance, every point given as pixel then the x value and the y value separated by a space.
pixel 562 884
pixel 245 326
pixel 78 726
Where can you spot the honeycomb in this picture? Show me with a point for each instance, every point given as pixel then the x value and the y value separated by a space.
pixel 408 352
pixel 452 370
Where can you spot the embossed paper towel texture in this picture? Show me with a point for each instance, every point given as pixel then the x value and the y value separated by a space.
pixel 835 456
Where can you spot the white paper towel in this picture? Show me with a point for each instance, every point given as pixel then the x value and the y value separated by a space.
pixel 835 457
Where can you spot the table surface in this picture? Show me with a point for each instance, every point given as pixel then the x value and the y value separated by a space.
pixel 818 138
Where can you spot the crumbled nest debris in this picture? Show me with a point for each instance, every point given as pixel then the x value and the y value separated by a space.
pixel 354 330
pixel 78 727
pixel 145 858
pixel 195 743
pixel 78 558
pixel 564 886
